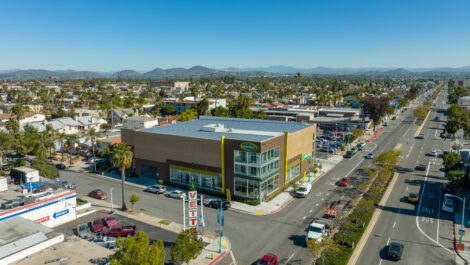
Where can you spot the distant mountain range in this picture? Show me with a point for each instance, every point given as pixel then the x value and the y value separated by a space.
pixel 204 72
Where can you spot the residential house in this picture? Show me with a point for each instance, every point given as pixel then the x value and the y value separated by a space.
pixel 28 117
pixel 88 122
pixel 118 115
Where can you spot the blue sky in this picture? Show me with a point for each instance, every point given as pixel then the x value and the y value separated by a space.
pixel 142 35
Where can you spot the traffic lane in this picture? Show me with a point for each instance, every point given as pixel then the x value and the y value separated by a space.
pixel 153 232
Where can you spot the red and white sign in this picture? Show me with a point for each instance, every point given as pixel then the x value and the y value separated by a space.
pixel 192 205
pixel 42 220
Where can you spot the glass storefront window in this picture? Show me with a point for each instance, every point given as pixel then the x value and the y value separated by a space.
pixel 200 180
pixel 293 172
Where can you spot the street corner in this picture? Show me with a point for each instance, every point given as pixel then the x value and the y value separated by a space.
pixel 215 250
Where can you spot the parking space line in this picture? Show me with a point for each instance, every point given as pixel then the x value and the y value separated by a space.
pixel 394 223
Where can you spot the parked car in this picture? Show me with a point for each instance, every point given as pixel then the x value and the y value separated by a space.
pixel 448 204
pixel 370 155
pixel 83 231
pixel 433 153
pixel 109 220
pixel 344 181
pixel 104 241
pixel 177 194
pixel 268 259
pixel 159 189
pixel 67 185
pixel 98 194
pixel 97 225
pixel 413 197
pixel 216 204
pixel 316 230
pixel 61 166
pixel 303 190
pixel 12 203
pixel 422 167
pixel 395 250
pixel 420 136
pixel 119 230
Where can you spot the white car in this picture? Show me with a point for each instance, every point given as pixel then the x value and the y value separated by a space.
pixel 177 194
pixel 361 144
pixel 370 155
pixel 433 153
pixel 303 189
pixel 448 204
pixel 159 189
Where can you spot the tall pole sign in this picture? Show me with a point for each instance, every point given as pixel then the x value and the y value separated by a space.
pixel 192 208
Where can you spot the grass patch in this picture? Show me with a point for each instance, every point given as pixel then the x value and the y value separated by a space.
pixel 419 124
pixel 165 222
pixel 81 201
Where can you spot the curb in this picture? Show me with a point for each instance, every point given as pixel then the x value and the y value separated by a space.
pixel 216 259
pixel 116 180
pixel 283 205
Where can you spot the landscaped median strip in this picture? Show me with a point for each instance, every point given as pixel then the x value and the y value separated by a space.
pixel 375 216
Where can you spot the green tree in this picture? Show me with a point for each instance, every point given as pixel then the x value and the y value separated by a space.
pixel 241 108
pixel 71 140
pixel 18 110
pixel 220 112
pixel 201 107
pixel 138 250
pixel 421 112
pixel 457 179
pixel 6 142
pixel 45 168
pixel 167 110
pixel 12 126
pixel 388 160
pixel 91 135
pixel 187 115
pixel 261 114
pixel 61 137
pixel 452 161
pixel 134 199
pixel 402 102
pixel 457 119
pixel 320 249
pixel 122 156
pixel 51 137
pixel 186 248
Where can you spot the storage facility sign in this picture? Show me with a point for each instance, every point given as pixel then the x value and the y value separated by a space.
pixel 250 147
pixel 192 208
pixel 307 156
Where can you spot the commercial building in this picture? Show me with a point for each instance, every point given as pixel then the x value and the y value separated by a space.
pixel 188 102
pixel 253 159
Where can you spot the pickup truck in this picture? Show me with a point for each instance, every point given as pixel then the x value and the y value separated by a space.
pixel 119 230
pixel 316 230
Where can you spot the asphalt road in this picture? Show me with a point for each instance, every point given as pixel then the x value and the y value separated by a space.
pixel 423 228
pixel 282 233
pixel 153 232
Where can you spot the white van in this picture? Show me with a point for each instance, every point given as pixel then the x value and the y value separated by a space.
pixel 303 189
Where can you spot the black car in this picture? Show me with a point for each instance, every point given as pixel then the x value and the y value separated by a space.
pixel 395 251
pixel 61 166
pixel 446 188
pixel 216 204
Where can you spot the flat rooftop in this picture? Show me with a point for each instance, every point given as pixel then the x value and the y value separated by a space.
pixel 73 250
pixel 240 129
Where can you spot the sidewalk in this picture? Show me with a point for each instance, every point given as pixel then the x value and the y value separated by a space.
pixel 210 254
pixel 280 201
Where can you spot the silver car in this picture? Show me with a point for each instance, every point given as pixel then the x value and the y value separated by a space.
pixel 177 194
pixel 104 241
pixel 83 231
pixel 159 189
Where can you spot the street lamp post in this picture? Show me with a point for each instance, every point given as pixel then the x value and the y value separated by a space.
pixel 463 212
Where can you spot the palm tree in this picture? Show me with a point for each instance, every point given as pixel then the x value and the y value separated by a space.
pixel 12 126
pixel 322 248
pixel 122 156
pixel 70 141
pixel 18 110
pixel 40 144
pixel 61 137
pixel 6 141
pixel 91 136
pixel 51 138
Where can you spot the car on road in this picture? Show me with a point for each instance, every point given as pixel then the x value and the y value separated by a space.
pixel 395 251
pixel 413 197
pixel 394 117
pixel 370 155
pixel 216 204
pixel 104 241
pixel 98 194
pixel 433 153
pixel 361 144
pixel 83 231
pixel 352 152
pixel 268 259
pixel 436 118
pixel 12 203
pixel 385 123
pixel 97 225
pixel 158 189
pixel 109 220
pixel 177 194
pixel 344 181
pixel 422 167
pixel 420 136
pixel 61 166
pixel 303 190
pixel 448 204
pixel 316 230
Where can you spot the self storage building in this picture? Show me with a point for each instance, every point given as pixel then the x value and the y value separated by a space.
pixel 252 158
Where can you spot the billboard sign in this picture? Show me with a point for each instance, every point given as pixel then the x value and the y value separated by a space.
pixel 192 208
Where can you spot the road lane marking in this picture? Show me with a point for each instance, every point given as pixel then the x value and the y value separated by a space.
pixel 287 262
pixel 304 217
pixel 407 188
pixel 394 223
pixel 417 215
pixel 328 194
pixel 310 211
pixel 233 258
pixel 380 263
pixel 316 204
pixel 388 241
pixel 354 168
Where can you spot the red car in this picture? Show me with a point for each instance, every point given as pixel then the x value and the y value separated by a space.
pixel 268 259
pixel 422 167
pixel 344 182
pixel 98 194
pixel 119 230
pixel 97 225
pixel 109 220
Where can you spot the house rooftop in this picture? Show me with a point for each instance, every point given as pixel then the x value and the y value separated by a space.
pixel 241 129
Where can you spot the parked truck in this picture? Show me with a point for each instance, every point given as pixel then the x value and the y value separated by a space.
pixel 119 230
pixel 317 229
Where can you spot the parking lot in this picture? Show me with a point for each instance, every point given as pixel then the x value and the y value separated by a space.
pixel 153 232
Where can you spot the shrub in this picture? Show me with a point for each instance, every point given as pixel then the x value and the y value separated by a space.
pixel 45 169
pixel 253 202
pixel 81 201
